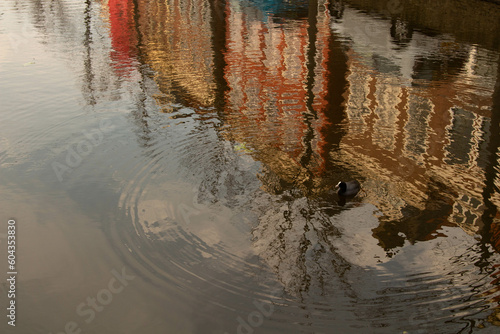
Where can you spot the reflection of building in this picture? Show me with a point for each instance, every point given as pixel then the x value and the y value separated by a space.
pixel 414 129
pixel 172 39
pixel 437 17
pixel 278 99
pixel 177 45
pixel 122 33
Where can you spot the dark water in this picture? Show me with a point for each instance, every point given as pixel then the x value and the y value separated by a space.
pixel 170 166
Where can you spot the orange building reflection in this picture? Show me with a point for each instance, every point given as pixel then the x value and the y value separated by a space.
pixel 278 91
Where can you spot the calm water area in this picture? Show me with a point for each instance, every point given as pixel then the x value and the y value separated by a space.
pixel 169 166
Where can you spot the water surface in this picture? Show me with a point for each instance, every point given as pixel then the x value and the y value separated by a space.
pixel 170 165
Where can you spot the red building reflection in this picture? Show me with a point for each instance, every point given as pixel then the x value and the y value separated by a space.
pixel 123 35
pixel 279 77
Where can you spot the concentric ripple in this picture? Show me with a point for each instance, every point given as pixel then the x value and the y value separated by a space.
pixel 184 217
pixel 192 218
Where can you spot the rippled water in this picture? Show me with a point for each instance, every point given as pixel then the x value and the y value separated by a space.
pixel 170 165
